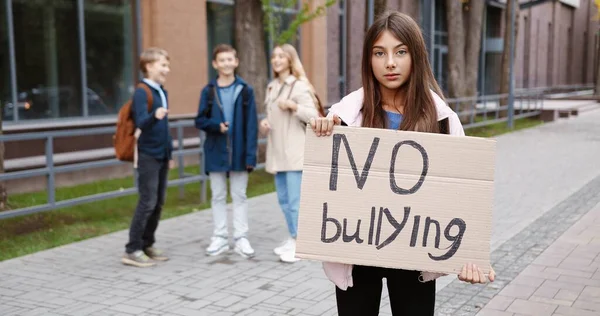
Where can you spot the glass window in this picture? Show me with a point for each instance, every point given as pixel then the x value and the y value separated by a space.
pixel 494 22
pixel 47 58
pixel 284 20
pixel 109 47
pixel 5 94
pixel 440 15
pixel 220 29
pixel 342 41
pixel 440 58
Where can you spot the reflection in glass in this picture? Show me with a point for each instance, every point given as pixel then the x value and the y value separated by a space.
pixel 109 54
pixel 47 57
pixel 284 19
pixel 5 94
pixel 220 29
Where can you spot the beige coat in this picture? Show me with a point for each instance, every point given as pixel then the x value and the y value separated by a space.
pixel 285 142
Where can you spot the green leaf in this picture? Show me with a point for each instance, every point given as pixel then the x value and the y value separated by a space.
pixel 273 9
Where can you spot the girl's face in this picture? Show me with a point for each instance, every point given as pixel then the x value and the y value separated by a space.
pixel 280 61
pixel 391 61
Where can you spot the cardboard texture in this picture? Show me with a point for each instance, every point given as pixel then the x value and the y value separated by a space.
pixel 397 204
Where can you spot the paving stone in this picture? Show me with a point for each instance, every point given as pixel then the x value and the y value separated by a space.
pixel 531 308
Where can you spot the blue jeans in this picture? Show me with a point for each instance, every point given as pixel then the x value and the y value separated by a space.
pixel 288 192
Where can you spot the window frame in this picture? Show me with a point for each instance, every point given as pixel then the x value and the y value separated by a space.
pixel 80 8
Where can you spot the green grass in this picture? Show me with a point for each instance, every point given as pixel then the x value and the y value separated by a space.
pixel 28 234
pixel 502 128
pixel 31 233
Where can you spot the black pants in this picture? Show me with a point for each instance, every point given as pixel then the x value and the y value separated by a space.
pixel 408 296
pixel 152 184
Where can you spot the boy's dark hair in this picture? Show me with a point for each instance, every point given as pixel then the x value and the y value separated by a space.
pixel 223 48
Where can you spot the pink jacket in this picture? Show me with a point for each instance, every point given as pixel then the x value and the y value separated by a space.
pixel 348 109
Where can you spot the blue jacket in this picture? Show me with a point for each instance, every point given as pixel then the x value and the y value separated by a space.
pixel 236 149
pixel 155 140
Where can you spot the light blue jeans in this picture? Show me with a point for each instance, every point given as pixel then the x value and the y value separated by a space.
pixel 287 185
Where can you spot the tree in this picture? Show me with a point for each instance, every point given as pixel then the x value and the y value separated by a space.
pixel 465 21
pixel 379 7
pixel 250 39
pixel 505 76
pixel 253 18
pixel 597 17
pixel 274 11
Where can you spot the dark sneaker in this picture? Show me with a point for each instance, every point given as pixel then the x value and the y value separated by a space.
pixel 137 259
pixel 155 254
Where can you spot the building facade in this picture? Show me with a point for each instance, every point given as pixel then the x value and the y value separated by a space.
pixel 68 60
pixel 73 63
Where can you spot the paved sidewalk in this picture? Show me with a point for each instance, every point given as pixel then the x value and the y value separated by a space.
pixel 564 280
pixel 547 178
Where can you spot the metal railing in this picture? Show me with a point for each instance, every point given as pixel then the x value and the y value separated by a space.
pixel 50 170
pixel 487 110
pixel 492 109
pixel 481 111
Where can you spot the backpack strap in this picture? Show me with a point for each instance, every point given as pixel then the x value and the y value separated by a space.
pixel 138 131
pixel 320 107
pixel 245 104
pixel 291 89
pixel 209 103
pixel 148 95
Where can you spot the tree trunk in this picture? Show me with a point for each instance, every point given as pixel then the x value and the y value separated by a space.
pixel 464 44
pixel 250 44
pixel 505 75
pixel 598 71
pixel 473 45
pixel 379 6
pixel 456 51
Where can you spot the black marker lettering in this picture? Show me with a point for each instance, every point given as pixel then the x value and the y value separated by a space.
pixel 324 227
pixel 371 226
pixel 428 222
pixel 335 154
pixel 413 238
pixel 356 235
pixel 394 223
pixel 395 188
pixel 456 240
pixel 379 226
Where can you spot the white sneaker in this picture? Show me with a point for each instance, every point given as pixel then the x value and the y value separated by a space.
pixel 285 247
pixel 218 245
pixel 243 248
pixel 289 257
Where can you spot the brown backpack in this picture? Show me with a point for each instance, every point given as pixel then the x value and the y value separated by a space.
pixel 124 139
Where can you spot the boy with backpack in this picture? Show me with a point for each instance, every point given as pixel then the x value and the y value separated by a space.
pixel 149 147
pixel 227 113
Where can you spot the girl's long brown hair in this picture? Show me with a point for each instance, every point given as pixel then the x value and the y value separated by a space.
pixel 420 112
pixel 297 70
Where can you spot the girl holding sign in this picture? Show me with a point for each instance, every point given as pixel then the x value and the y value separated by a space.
pixel 399 92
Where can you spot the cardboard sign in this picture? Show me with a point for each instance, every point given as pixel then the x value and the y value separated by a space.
pixel 415 201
